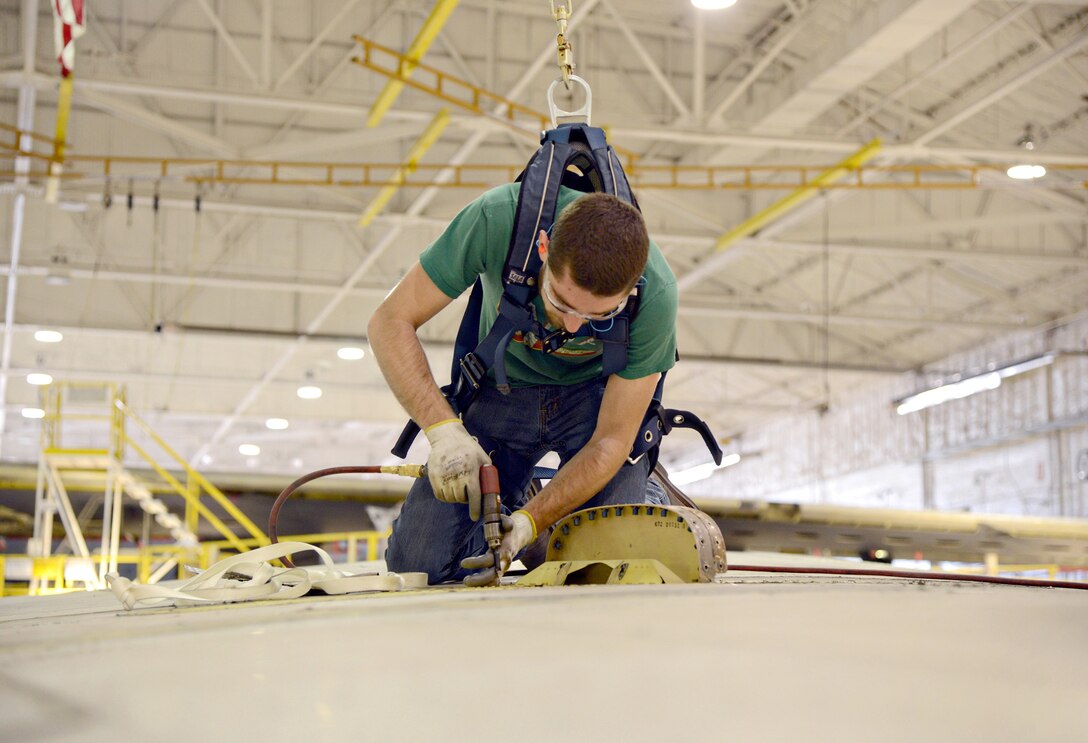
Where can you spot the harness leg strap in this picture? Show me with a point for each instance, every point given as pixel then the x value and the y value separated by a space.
pixel 404 441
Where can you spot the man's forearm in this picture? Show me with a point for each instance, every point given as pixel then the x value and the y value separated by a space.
pixel 404 365
pixel 582 478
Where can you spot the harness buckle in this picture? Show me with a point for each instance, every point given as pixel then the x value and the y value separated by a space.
pixel 552 342
pixel 472 370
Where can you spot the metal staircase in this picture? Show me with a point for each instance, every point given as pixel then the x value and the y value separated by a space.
pixel 89 438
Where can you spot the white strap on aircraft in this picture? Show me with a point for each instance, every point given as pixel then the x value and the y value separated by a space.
pixel 249 577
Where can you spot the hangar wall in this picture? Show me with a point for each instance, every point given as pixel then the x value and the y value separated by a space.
pixel 1020 448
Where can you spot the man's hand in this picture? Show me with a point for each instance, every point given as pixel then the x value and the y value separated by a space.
pixel 518 532
pixel 454 465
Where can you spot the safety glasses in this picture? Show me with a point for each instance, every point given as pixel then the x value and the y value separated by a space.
pixel 546 290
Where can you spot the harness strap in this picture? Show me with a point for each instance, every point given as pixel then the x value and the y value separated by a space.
pixel 596 169
pixel 249 577
pixel 660 421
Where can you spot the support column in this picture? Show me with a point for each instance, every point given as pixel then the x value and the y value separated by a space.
pixel 1055 443
pixel 108 516
pixel 929 486
pixel 25 121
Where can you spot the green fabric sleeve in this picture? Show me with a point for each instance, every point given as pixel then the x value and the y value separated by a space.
pixel 459 255
pixel 652 348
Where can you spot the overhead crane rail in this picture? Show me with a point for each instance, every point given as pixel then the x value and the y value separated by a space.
pixel 454 90
pixel 206 171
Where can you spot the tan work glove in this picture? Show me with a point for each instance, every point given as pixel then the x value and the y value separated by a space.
pixel 453 466
pixel 519 531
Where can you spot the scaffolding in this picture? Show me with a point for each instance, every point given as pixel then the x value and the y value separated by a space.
pixel 88 430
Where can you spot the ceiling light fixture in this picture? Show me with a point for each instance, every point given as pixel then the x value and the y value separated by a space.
pixel 1025 172
pixel 276 424
pixel 351 353
pixel 48 336
pixel 713 4
pixel 249 450
pixel 702 471
pixel 961 388
pixel 1027 139
pixel 39 379
pixel 33 413
pixel 309 390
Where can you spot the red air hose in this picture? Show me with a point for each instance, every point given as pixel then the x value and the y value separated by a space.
pixel 409 470
pixel 916 574
pixel 415 470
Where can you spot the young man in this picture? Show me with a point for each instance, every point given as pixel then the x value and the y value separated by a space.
pixel 598 251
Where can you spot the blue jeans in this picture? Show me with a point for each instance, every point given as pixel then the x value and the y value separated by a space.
pixel 517 430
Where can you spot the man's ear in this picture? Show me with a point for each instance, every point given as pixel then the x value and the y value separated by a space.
pixel 542 245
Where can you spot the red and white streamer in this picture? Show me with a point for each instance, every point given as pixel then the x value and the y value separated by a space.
pixel 68 25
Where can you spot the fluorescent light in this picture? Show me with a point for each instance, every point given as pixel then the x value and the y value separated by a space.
pixel 971 385
pixel 702 471
pixel 945 392
pixel 713 4
pixel 39 379
pixel 309 392
pixel 276 424
pixel 33 413
pixel 351 353
pixel 1019 367
pixel 1026 172
pixel 48 336
pixel 249 450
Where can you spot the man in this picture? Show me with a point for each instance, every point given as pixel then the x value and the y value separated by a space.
pixel 598 251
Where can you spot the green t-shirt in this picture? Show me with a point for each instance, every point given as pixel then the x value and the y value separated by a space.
pixel 475 244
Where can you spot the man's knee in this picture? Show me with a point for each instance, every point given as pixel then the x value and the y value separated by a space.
pixel 628 485
pixel 404 554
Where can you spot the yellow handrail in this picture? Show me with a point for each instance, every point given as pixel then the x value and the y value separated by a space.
pixel 54 566
pixel 192 500
pixel 210 550
pixel 318 538
pixel 235 513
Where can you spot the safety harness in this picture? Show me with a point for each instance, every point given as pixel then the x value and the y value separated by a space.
pixel 575 155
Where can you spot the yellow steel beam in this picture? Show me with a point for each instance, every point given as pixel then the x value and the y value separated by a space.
pixel 56 166
pixel 429 137
pixel 426 36
pixel 798 197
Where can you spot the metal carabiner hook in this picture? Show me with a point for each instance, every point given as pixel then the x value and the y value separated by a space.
pixel 565 51
pixel 581 115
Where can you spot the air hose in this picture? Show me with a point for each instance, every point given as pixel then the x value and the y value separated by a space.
pixel 407 470
pixel 916 574
pixel 679 497
pixel 419 470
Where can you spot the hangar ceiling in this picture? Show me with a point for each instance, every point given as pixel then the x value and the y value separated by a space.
pixel 214 316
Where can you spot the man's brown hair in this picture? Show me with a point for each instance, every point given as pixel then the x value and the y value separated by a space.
pixel 600 242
